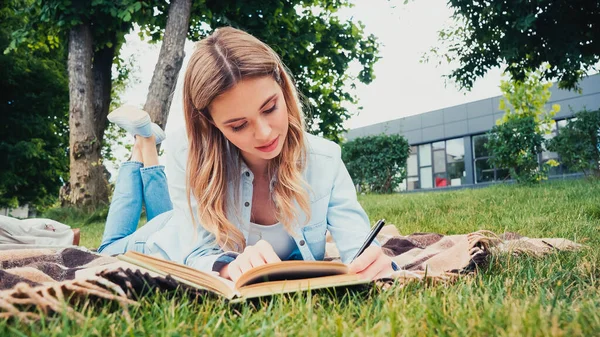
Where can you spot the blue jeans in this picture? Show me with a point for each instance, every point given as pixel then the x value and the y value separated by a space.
pixel 136 184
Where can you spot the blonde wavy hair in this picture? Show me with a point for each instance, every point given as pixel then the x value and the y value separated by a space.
pixel 218 63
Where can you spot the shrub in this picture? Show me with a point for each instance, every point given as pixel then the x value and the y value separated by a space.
pixel 515 145
pixel 517 138
pixel 377 163
pixel 577 143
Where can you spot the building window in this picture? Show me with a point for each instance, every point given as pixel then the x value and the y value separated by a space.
pixel 449 163
pixel 562 123
pixel 545 156
pixel 484 171
pixel 412 170
pixel 435 165
pixel 440 176
pixel 425 170
pixel 455 159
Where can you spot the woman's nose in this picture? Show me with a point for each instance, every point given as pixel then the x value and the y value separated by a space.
pixel 263 129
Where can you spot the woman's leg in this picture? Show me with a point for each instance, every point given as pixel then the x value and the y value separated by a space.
pixel 154 180
pixel 148 185
pixel 136 241
pixel 126 205
pixel 156 192
pixel 120 232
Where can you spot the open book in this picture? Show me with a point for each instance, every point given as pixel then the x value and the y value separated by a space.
pixel 275 278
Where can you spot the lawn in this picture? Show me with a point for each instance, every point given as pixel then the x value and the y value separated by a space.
pixel 557 295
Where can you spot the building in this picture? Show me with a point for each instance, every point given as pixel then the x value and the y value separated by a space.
pixel 447 145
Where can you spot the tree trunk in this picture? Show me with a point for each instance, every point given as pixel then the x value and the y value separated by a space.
pixel 87 184
pixel 170 59
pixel 102 72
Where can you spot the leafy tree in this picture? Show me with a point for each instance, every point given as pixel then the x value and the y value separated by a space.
pixel 312 40
pixel 93 32
pixel 578 143
pixel 315 45
pixel 377 163
pixel 517 139
pixel 523 35
pixel 34 106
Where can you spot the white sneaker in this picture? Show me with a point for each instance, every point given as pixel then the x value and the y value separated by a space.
pixel 158 133
pixel 134 120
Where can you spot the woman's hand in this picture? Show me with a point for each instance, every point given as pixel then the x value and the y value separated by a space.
pixel 253 256
pixel 372 264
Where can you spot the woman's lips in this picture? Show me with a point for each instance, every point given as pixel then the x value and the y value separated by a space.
pixel 269 147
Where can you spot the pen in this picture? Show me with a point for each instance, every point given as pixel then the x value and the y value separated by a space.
pixel 374 231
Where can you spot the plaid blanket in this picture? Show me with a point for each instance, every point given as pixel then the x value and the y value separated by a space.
pixel 47 279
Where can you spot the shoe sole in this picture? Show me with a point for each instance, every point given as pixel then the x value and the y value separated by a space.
pixel 130 118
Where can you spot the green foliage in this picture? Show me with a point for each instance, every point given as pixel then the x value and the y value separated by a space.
pixel 517 139
pixel 523 36
pixel 34 119
pixel 578 143
pixel 49 21
pixel 315 45
pixel 515 145
pixel 377 163
pixel 113 135
pixel 78 216
pixel 313 42
pixel 527 98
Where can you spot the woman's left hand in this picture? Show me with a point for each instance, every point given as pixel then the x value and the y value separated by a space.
pixel 372 264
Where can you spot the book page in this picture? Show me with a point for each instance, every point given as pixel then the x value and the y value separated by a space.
pixel 91 273
pixel 290 286
pixel 190 276
pixel 290 270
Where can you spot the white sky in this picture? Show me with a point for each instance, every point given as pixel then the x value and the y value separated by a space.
pixel 403 85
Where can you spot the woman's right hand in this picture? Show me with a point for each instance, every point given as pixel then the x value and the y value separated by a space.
pixel 253 256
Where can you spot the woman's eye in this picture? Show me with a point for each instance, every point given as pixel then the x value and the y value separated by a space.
pixel 271 109
pixel 239 127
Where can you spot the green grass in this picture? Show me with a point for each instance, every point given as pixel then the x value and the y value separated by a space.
pixel 557 295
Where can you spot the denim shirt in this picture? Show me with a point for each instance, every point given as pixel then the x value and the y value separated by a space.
pixel 333 207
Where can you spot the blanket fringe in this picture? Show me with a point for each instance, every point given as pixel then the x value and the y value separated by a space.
pixel 483 238
pixel 55 298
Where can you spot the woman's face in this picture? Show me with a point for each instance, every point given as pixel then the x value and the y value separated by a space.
pixel 253 116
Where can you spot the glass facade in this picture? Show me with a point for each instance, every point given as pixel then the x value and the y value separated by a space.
pixel 441 164
pixel 455 159
pixel 440 176
pixel 484 171
pixel 435 165
pixel 425 171
pixel 412 170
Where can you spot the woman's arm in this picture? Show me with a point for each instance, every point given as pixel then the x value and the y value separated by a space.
pixel 347 221
pixel 349 226
pixel 198 248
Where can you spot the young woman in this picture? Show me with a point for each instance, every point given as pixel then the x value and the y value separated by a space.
pixel 249 186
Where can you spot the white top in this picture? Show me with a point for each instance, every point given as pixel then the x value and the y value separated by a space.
pixel 276 235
